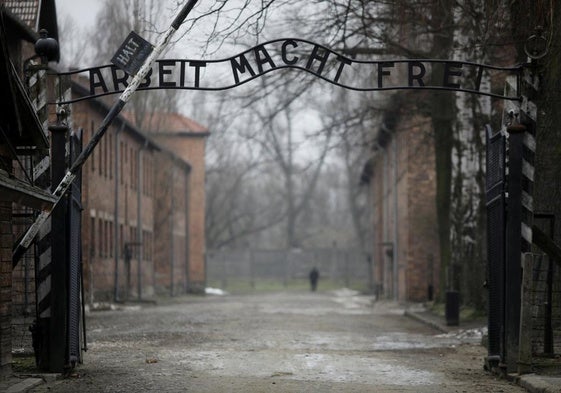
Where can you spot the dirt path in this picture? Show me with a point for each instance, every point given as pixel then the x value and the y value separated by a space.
pixel 282 342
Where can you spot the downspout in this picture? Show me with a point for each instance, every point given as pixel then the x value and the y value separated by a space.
pixel 139 189
pixel 395 231
pixel 116 211
pixel 187 233
pixel 171 226
pixel 386 223
pixel 372 228
pixel 91 255
pixel 371 246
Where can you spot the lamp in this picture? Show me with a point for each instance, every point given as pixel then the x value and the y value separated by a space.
pixel 46 47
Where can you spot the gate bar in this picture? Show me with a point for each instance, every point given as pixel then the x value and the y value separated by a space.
pixel 67 180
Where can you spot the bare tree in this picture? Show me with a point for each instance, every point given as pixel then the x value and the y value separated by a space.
pixel 368 29
pixel 114 22
pixel 238 206
pixel 289 143
pixel 72 48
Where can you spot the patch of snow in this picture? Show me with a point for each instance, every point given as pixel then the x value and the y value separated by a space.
pixel 345 292
pixel 215 291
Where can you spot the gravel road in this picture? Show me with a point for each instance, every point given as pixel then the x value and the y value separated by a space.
pixel 335 341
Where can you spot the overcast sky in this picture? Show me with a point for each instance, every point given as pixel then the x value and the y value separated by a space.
pixel 83 11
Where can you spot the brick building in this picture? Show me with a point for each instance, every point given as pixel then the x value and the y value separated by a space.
pixel 402 185
pixel 186 139
pixel 23 141
pixel 143 192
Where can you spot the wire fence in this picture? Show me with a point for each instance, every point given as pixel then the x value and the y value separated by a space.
pixel 276 269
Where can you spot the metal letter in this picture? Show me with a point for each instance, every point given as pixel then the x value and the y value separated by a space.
pixel 418 77
pixel 262 60
pixel 287 61
pixel 316 56
pixel 343 61
pixel 197 65
pixel 93 84
pixel 119 80
pixel 449 71
pixel 163 71
pixel 241 67
pixel 478 79
pixel 381 71
pixel 147 80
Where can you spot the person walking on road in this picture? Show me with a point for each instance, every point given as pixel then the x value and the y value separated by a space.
pixel 314 277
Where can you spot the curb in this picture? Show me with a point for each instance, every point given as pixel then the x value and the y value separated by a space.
pixel 20 383
pixel 533 383
pixel 426 321
pixel 539 383
pixel 25 385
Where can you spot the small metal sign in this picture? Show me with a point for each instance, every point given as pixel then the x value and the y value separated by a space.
pixel 132 53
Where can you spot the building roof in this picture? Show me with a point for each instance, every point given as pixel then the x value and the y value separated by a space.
pixel 26 10
pixel 104 107
pixel 34 15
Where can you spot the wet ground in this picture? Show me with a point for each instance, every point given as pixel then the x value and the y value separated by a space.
pixel 284 342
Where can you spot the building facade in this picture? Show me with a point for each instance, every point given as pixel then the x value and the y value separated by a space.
pixel 186 139
pixel 401 181
pixel 24 141
pixel 142 234
pixel 132 247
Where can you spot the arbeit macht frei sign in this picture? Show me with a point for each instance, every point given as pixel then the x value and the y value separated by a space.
pixel 299 54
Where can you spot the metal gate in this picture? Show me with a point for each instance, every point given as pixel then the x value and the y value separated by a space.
pixel 74 258
pixel 496 243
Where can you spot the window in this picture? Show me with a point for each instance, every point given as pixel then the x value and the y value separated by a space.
pixel 149 178
pixel 147 245
pixel 111 239
pixel 121 239
pixel 92 131
pixel 100 239
pixel 105 160
pixel 100 157
pixel 135 238
pixel 92 237
pixel 111 152
pixel 145 174
pixel 122 163
pixel 107 238
pixel 132 167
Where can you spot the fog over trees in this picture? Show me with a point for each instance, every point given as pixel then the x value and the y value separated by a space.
pixel 287 151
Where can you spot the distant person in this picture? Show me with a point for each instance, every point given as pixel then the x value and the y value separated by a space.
pixel 314 277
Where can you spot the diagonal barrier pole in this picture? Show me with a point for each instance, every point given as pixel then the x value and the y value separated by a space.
pixel 70 175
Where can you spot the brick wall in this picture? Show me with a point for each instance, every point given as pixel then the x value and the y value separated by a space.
pixel 101 180
pixel 6 241
pixel 163 173
pixel 423 246
pixel 162 226
pixel 415 218
pixel 192 149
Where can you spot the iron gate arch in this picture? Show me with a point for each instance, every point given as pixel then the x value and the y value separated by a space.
pixel 496 241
